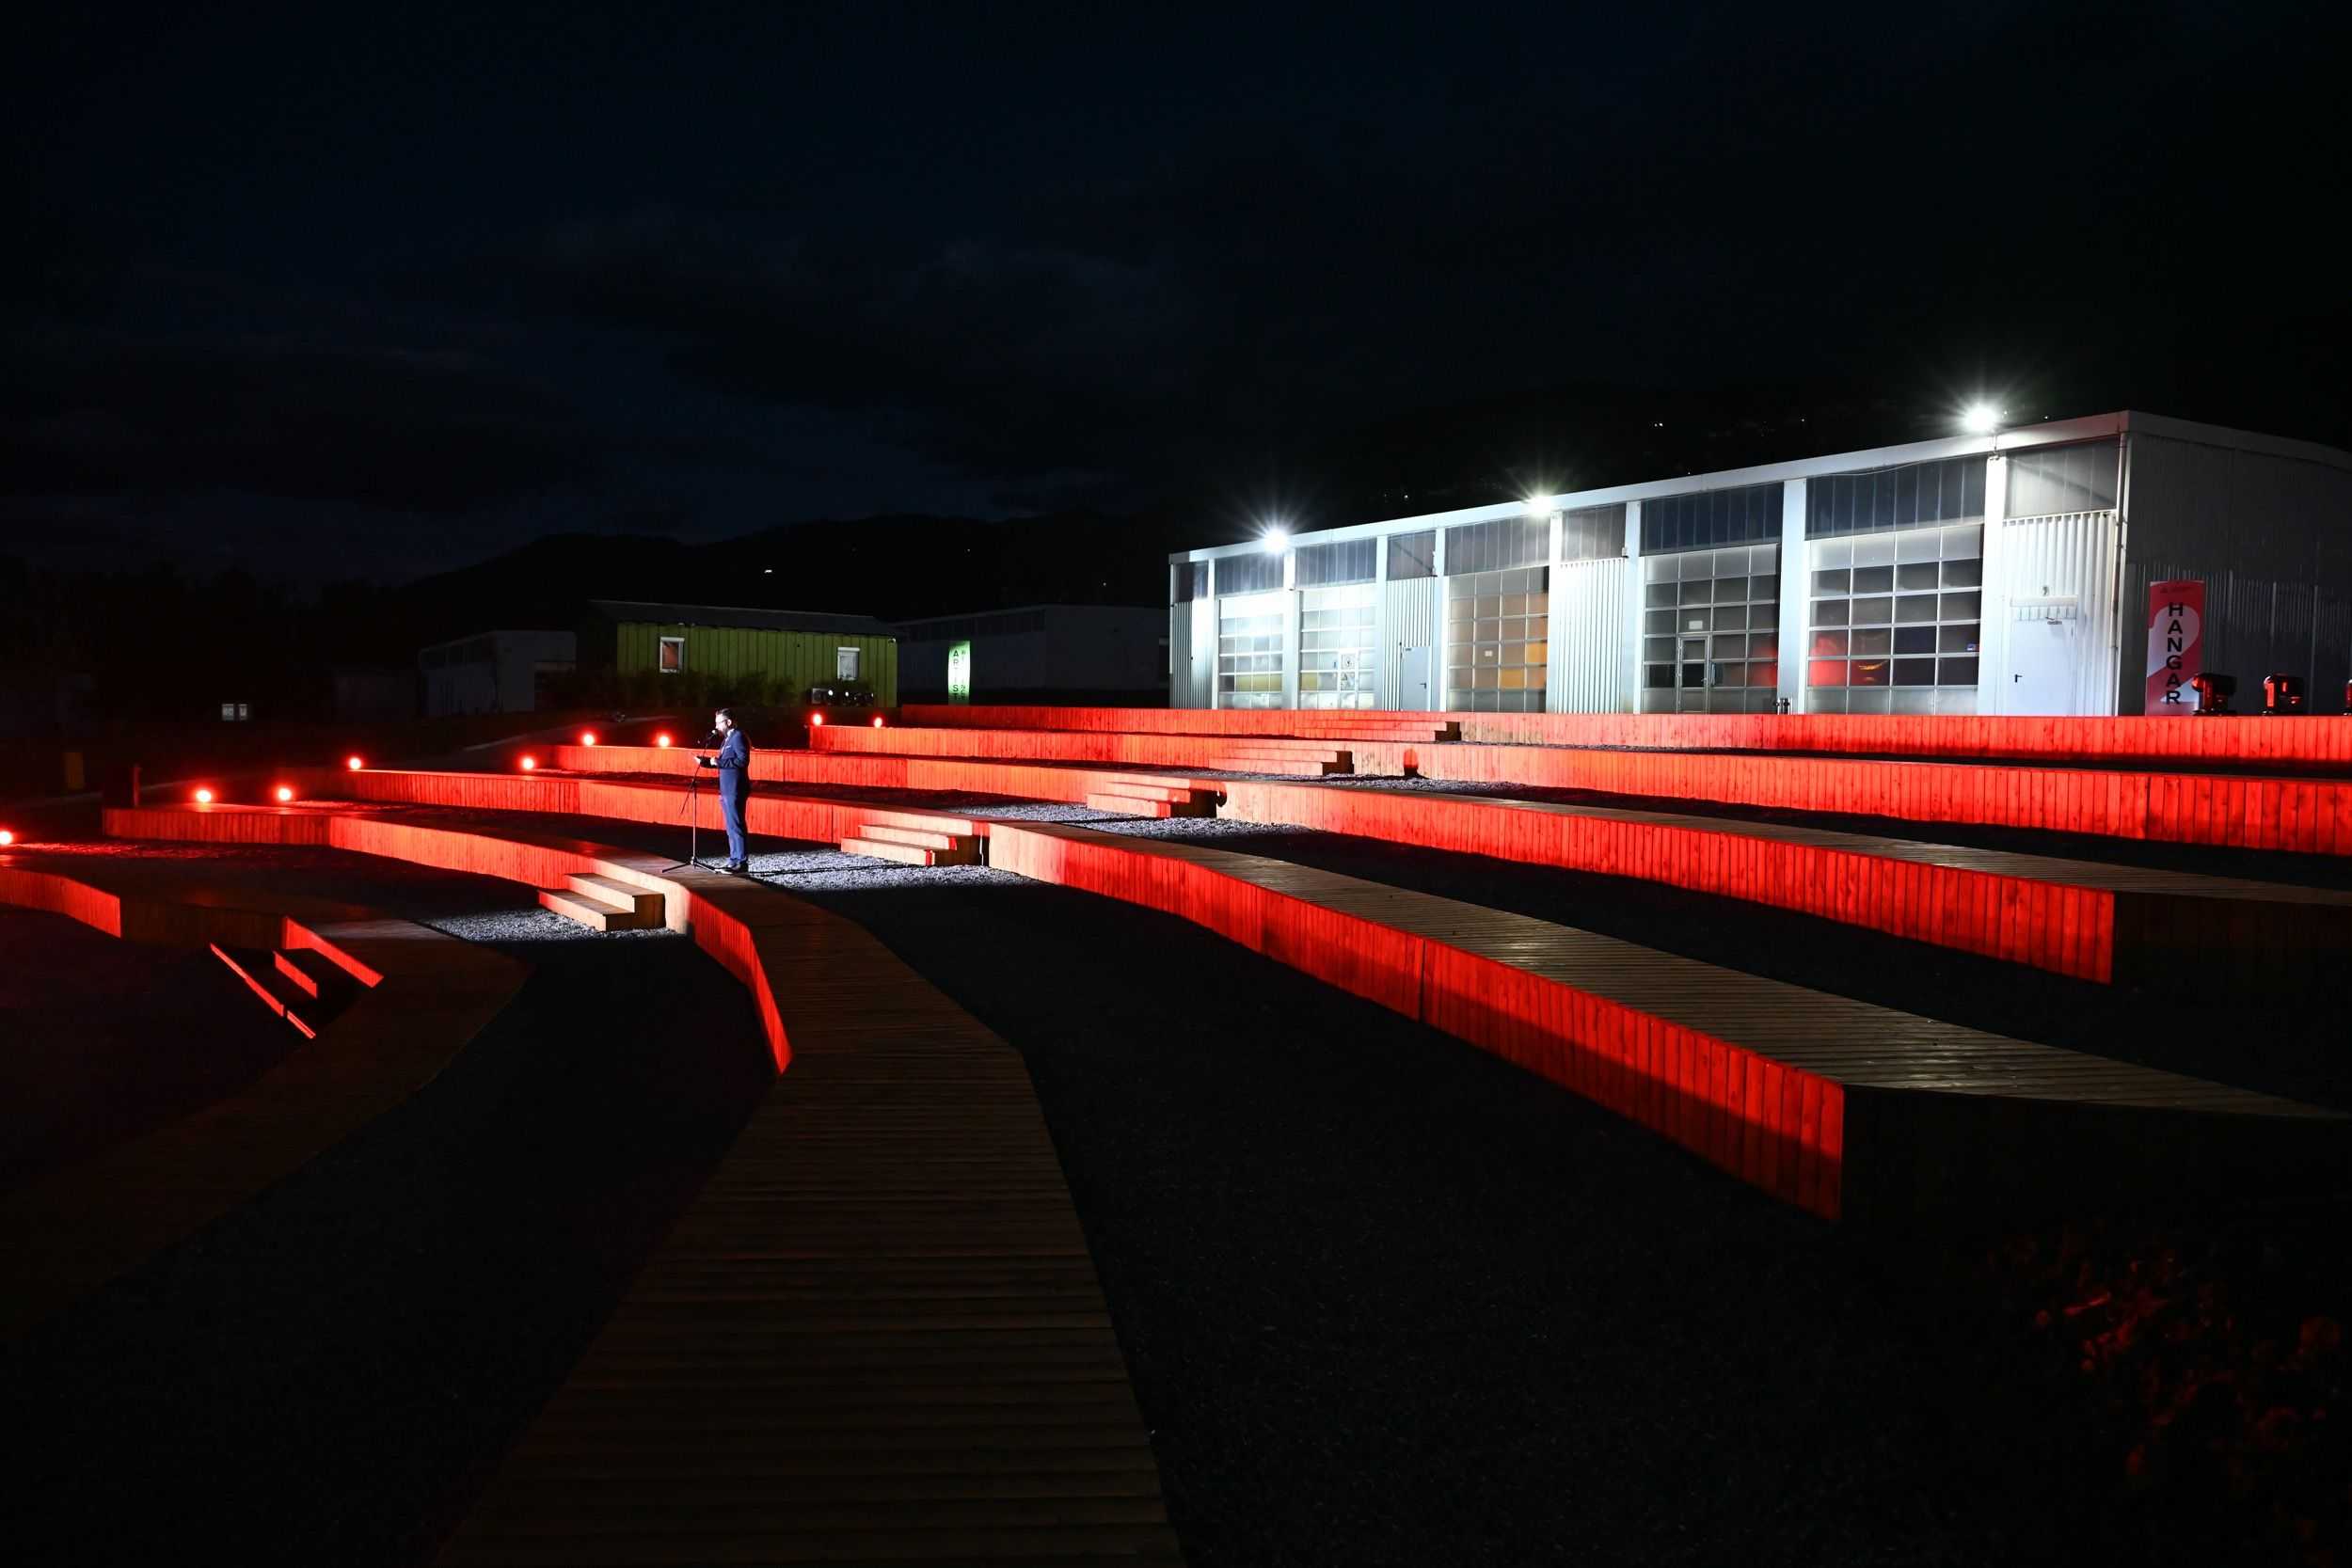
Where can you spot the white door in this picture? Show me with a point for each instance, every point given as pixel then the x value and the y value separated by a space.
pixel 1412 691
pixel 2045 656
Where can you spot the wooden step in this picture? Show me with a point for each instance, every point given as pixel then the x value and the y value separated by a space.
pixel 882 849
pixel 650 907
pixel 592 909
pixel 920 838
pixel 277 993
pixel 1130 805
pixel 311 971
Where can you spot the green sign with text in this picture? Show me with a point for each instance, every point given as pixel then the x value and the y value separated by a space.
pixel 960 671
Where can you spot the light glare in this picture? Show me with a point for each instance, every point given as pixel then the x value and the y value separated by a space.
pixel 530 763
pixel 7 838
pixel 662 740
pixel 284 793
pixel 1276 539
pixel 587 737
pixel 352 763
pixel 817 721
pixel 203 796
pixel 1980 418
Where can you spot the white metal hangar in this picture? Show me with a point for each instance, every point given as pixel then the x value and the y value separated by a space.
pixel 2011 573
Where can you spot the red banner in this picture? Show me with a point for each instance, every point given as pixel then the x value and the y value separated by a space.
pixel 2176 645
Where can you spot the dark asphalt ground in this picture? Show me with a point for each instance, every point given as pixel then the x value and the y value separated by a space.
pixel 330 1373
pixel 106 1040
pixel 1388 1300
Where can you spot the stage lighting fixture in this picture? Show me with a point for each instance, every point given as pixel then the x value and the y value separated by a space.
pixel 2214 690
pixel 587 737
pixel 284 794
pixel 2282 694
pixel 662 740
pixel 353 762
pixel 203 796
pixel 530 763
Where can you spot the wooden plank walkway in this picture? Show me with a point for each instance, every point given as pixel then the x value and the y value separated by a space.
pixel 69 1232
pixel 1826 1102
pixel 876 1336
pixel 2128 925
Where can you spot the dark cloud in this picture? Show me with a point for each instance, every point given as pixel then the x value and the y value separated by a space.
pixel 97 414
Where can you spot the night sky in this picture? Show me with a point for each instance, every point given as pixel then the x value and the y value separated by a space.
pixel 382 290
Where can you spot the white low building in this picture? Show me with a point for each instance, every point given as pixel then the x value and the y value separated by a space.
pixel 2004 574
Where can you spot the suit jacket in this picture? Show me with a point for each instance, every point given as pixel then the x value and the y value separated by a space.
pixel 734 766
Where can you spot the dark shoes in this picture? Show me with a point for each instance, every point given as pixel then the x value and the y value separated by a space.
pixel 737 868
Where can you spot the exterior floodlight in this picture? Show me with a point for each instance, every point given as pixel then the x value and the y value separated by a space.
pixel 1276 539
pixel 662 740
pixel 1980 418
pixel 530 763
pixel 203 796
pixel 284 794
pixel 587 737
pixel 7 838
pixel 354 763
pixel 1540 506
pixel 816 720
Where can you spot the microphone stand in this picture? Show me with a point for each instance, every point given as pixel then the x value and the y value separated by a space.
pixel 693 822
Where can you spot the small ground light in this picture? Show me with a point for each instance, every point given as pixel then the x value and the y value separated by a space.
pixel 352 763
pixel 587 737
pixel 530 763
pixel 7 838
pixel 878 721
pixel 284 794
pixel 662 740
pixel 203 796
pixel 816 720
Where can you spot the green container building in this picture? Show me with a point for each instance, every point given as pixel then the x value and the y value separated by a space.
pixel 799 648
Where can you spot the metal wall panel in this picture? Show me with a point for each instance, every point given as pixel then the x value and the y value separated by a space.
pixel 2061 567
pixel 1588 638
pixel 2268 537
pixel 804 658
pixel 1180 682
pixel 1408 619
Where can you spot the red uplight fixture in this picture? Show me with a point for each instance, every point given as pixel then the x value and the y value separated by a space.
pixel 203 796
pixel 662 740
pixel 587 737
pixel 816 720
pixel 878 721
pixel 530 763
pixel 353 762
pixel 284 793
pixel 7 838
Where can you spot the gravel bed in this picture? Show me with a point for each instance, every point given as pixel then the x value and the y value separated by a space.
pixel 536 925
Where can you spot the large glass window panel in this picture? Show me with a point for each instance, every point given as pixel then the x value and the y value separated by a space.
pixel 1830 612
pixel 1912 608
pixel 1914 672
pixel 1964 574
pixel 1872 640
pixel 1915 640
pixel 1873 611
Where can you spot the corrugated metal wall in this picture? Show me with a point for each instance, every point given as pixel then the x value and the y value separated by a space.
pixel 2040 562
pixel 1588 673
pixel 1409 619
pixel 1180 682
pixel 2270 537
pixel 805 659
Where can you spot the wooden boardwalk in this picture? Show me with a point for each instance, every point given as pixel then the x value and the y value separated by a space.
pixel 876 1336
pixel 1831 1104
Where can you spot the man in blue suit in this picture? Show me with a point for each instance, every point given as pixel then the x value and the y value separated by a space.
pixel 734 763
